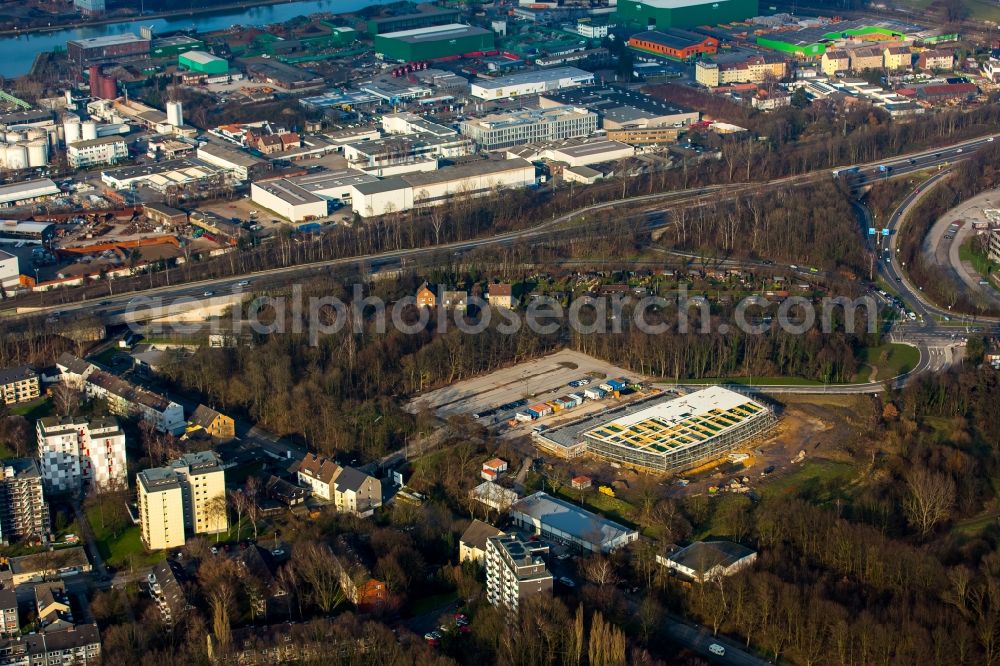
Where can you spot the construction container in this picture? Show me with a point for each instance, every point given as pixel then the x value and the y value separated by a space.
pixel 541 409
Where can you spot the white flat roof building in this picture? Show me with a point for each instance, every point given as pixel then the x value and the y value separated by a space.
pixel 411 123
pixel 288 200
pixel 241 164
pixel 95 152
pixel 29 190
pixel 333 184
pixel 10 271
pixel 530 83
pixel 433 188
pixel 584 152
pixel 556 518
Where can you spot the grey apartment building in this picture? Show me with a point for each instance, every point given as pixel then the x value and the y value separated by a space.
pixel 514 571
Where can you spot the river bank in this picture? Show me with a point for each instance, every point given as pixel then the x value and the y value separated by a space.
pixel 225 7
pixel 18 49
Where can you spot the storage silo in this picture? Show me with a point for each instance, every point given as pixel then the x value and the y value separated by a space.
pixel 36 133
pixel 17 157
pixel 16 136
pixel 89 130
pixel 38 154
pixel 72 130
pixel 175 113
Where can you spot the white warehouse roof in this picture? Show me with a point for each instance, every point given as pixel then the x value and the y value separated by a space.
pixel 201 57
pixel 30 189
pixel 540 76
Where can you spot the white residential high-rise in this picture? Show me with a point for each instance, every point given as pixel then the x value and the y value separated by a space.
pixel 515 570
pixel 76 453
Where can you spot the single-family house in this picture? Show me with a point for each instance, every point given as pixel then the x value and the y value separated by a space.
pixel 708 560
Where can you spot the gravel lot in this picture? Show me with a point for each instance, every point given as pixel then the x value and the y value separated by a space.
pixel 538 380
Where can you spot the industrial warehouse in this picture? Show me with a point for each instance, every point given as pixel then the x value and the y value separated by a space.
pixel 665 434
pixel 556 518
pixel 432 42
pixel 684 13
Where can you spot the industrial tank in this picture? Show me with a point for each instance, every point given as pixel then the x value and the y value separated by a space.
pixel 38 154
pixel 89 130
pixel 73 131
pixel 16 157
pixel 175 113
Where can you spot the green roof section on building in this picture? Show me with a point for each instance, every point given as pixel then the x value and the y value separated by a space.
pixel 813 42
pixel 202 62
pixel 683 13
pixel 433 42
pixel 428 15
pixel 167 47
pixel 803 50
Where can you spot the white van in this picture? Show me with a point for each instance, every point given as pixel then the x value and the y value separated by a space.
pixel 717 649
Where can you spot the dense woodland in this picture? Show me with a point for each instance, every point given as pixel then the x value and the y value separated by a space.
pixel 812 224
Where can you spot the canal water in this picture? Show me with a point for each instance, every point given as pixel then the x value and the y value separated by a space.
pixel 17 52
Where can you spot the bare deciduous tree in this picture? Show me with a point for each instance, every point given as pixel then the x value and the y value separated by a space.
pixel 928 500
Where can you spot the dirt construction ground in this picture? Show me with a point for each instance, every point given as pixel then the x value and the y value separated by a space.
pixel 538 380
pixel 817 426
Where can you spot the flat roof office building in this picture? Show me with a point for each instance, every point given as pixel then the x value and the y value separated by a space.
pixel 499 131
pixel 667 434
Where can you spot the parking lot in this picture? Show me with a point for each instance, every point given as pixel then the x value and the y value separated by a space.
pixel 539 380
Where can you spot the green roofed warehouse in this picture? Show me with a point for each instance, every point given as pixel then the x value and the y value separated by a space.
pixel 683 13
pixel 430 43
pixel 203 63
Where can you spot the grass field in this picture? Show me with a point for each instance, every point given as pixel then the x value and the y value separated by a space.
pixel 817 480
pixel 614 508
pixel 116 550
pixel 973 253
pixel 432 602
pixel 35 409
pixel 891 359
pixel 977 524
